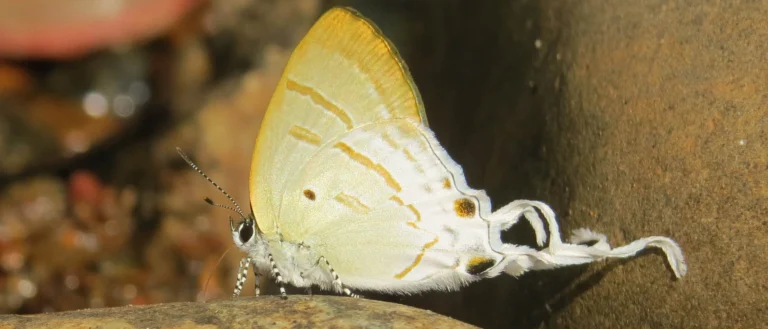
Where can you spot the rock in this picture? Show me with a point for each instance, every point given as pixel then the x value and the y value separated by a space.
pixel 661 131
pixel 260 312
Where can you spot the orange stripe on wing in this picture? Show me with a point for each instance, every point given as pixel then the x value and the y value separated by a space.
pixel 319 99
pixel 418 259
pixel 305 135
pixel 368 163
pixel 352 203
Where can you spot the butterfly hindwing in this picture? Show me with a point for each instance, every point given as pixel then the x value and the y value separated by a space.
pixel 390 180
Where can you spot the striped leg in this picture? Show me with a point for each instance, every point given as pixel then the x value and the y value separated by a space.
pixel 242 275
pixel 336 280
pixel 256 289
pixel 278 277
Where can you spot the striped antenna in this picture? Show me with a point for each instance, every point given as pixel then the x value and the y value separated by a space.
pixel 210 202
pixel 236 209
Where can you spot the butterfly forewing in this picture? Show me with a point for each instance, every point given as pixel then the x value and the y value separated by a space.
pixel 342 75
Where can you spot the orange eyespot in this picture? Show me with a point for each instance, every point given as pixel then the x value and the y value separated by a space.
pixel 464 208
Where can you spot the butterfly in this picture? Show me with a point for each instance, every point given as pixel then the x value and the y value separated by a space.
pixel 351 191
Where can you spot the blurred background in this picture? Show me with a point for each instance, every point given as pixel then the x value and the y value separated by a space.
pixel 634 119
pixel 96 207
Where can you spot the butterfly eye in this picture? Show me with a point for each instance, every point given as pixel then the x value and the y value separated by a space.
pixel 246 232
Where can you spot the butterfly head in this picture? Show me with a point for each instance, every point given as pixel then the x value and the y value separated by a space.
pixel 245 233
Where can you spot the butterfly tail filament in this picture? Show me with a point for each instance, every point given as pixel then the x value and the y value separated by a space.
pixel 519 259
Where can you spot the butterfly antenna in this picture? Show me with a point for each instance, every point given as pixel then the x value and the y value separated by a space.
pixel 210 202
pixel 236 209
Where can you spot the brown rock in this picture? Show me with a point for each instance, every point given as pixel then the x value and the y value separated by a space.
pixel 261 312
pixel 662 132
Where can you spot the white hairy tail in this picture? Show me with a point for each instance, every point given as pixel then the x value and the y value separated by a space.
pixel 519 259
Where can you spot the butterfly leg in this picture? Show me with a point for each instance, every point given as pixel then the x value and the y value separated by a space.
pixel 256 288
pixel 242 275
pixel 337 280
pixel 278 277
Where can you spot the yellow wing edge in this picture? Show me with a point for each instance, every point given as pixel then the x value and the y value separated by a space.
pixel 395 54
pixel 340 16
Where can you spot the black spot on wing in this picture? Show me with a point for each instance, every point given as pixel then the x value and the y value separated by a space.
pixel 478 265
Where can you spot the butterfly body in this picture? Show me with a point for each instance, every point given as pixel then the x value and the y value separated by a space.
pixel 350 189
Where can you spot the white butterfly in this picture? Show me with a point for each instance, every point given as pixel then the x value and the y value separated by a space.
pixel 351 190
